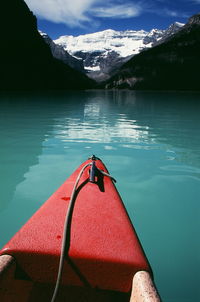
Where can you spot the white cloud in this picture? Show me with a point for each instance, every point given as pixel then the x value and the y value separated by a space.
pixel 77 13
pixel 171 13
pixel 122 11
pixel 70 12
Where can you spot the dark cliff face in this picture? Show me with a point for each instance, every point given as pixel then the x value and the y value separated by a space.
pixel 26 61
pixel 172 65
pixel 60 53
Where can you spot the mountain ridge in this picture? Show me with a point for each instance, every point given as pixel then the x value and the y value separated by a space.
pixel 171 65
pixel 102 52
pixel 26 60
pixel 60 53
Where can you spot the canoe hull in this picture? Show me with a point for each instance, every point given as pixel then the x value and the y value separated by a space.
pixel 104 251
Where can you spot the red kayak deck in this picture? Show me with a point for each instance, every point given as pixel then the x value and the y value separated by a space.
pixel 104 249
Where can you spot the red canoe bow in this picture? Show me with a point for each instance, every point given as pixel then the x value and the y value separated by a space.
pixel 104 250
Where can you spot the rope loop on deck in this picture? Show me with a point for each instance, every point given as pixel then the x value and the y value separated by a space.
pixel 67 225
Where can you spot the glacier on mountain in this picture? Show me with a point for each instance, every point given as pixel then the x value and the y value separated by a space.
pixel 124 43
pixel 102 52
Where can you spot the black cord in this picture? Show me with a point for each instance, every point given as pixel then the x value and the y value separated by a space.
pixel 66 232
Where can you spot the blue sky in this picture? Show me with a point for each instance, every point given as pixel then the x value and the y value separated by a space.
pixel 75 17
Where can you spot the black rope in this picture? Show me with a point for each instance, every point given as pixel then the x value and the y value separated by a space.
pixel 66 233
pixel 67 225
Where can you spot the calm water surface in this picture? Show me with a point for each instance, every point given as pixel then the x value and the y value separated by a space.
pixel 150 143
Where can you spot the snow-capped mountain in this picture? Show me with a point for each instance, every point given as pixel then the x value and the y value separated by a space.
pixel 124 43
pixel 174 64
pixel 103 52
pixel 171 30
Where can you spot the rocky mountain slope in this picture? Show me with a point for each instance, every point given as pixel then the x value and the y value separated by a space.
pixel 26 61
pixel 106 51
pixel 171 65
pixel 60 53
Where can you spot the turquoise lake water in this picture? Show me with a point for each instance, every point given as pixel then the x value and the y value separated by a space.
pixel 150 142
